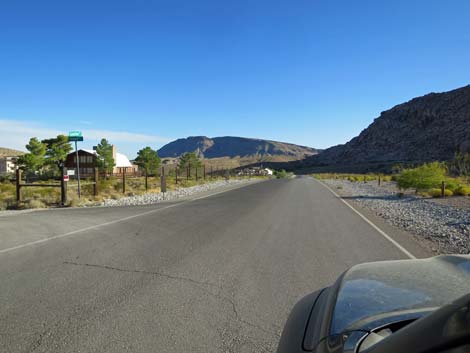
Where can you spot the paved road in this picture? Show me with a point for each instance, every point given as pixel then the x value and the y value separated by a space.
pixel 217 274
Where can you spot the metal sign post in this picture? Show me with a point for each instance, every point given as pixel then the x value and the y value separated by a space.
pixel 76 136
pixel 63 185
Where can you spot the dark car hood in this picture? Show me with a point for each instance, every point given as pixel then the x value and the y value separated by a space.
pixel 371 290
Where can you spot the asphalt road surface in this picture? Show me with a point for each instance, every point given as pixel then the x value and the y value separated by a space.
pixel 214 274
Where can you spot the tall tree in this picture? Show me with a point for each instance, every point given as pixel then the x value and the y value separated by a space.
pixel 34 160
pixel 57 150
pixel 189 159
pixel 105 160
pixel 148 160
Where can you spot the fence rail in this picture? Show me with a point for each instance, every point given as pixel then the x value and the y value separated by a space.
pixel 163 176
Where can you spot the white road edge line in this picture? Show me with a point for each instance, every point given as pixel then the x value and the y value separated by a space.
pixel 380 231
pixel 2 251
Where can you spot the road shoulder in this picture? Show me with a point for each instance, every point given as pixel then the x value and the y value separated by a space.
pixel 417 246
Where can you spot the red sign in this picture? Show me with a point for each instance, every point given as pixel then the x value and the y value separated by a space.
pixel 66 178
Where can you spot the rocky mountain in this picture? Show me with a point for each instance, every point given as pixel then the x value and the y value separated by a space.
pixel 229 146
pixel 427 128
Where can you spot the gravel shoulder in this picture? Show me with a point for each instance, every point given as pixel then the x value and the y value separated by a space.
pixel 183 193
pixel 444 224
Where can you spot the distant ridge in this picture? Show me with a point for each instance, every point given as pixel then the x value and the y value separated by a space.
pixel 9 152
pixel 231 147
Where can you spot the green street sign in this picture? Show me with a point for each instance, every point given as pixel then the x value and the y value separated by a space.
pixel 75 138
pixel 75 134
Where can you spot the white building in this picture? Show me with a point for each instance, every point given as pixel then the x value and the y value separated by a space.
pixel 8 164
pixel 268 171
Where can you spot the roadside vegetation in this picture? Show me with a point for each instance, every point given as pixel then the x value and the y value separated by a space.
pixel 427 180
pixel 280 174
pixel 110 188
pixel 41 165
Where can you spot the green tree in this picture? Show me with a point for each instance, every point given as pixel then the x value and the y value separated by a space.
pixel 189 161
pixel 105 160
pixel 148 160
pixel 34 160
pixel 57 150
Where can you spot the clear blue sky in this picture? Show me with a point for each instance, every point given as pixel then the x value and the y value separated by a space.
pixel 145 72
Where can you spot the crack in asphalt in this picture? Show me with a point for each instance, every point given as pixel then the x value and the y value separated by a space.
pixel 241 320
pixel 218 295
pixel 154 273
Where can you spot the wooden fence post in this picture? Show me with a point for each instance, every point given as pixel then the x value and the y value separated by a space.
pixel 18 185
pixel 204 171
pixel 443 189
pixel 196 173
pixel 176 175
pixel 95 180
pixel 379 180
pixel 163 180
pixel 124 181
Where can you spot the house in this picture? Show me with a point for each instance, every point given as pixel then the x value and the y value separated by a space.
pixel 88 161
pixel 8 164
pixel 268 171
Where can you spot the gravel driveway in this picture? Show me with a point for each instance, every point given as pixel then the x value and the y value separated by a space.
pixel 447 227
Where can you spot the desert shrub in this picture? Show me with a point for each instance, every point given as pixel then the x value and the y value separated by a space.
pixel 426 176
pixel 281 174
pixel 448 192
pixel 6 177
pixel 34 203
pixel 462 190
pixel 353 178
pixel 424 193
pixel 451 184
pixel 386 177
pixel 73 201
pixel 115 195
pixel 435 192
pixel 7 202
